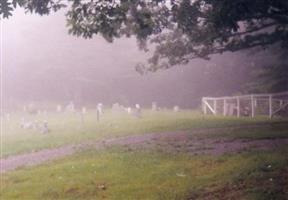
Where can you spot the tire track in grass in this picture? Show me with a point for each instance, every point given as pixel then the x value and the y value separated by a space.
pixel 216 146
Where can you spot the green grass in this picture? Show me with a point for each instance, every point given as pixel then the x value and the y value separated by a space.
pixel 146 173
pixel 268 130
pixel 121 174
pixel 67 129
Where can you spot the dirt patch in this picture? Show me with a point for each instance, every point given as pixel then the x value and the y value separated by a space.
pixel 171 142
pixel 183 142
pixel 34 158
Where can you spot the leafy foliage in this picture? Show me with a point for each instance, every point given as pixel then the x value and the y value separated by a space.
pixel 180 30
pixel 42 7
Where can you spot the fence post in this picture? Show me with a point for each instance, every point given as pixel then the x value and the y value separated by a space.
pixel 204 109
pixel 252 106
pixel 215 105
pixel 238 107
pixel 224 107
pixel 270 106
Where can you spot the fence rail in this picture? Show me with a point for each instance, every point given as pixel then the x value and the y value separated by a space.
pixel 246 105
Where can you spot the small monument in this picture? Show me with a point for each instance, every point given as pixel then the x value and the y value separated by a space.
pixel 138 112
pixel 99 110
pixel 59 108
pixel 154 106
pixel 176 108
pixel 26 124
pixel 44 127
pixel 84 110
pixel 129 110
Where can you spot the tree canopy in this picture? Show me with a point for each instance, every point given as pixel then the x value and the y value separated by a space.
pixel 175 30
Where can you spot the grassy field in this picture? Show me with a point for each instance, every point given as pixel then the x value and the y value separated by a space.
pixel 119 172
pixel 68 129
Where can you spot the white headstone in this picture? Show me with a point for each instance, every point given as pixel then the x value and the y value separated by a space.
pixel 26 124
pixel 100 108
pixel 24 108
pixel 59 108
pixel 129 110
pixel 44 127
pixel 176 109
pixel 138 112
pixel 154 106
pixel 84 111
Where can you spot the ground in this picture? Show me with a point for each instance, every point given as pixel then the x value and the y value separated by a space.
pixel 164 155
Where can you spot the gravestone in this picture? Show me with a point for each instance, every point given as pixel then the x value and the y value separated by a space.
pixel 129 110
pixel 99 110
pixel 26 124
pixel 59 108
pixel 176 108
pixel 154 106
pixel 44 127
pixel 84 110
pixel 138 112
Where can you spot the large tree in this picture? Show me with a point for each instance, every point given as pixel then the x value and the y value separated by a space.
pixel 179 30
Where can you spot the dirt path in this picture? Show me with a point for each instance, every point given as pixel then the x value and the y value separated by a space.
pixel 171 142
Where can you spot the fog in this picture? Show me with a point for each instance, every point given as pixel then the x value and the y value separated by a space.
pixel 43 63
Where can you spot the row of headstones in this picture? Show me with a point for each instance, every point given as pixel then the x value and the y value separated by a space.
pixel 31 109
pixel 41 126
pixel 115 107
pixel 70 108
pixel 156 108
pixel 118 107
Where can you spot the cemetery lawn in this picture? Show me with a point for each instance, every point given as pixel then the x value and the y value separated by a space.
pixel 119 173
pixel 164 168
pixel 67 128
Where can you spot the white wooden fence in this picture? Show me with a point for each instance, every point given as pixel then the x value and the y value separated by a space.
pixel 246 105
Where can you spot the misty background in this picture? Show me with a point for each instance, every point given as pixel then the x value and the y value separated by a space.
pixel 42 63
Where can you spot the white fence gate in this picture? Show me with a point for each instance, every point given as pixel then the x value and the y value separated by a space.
pixel 246 105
